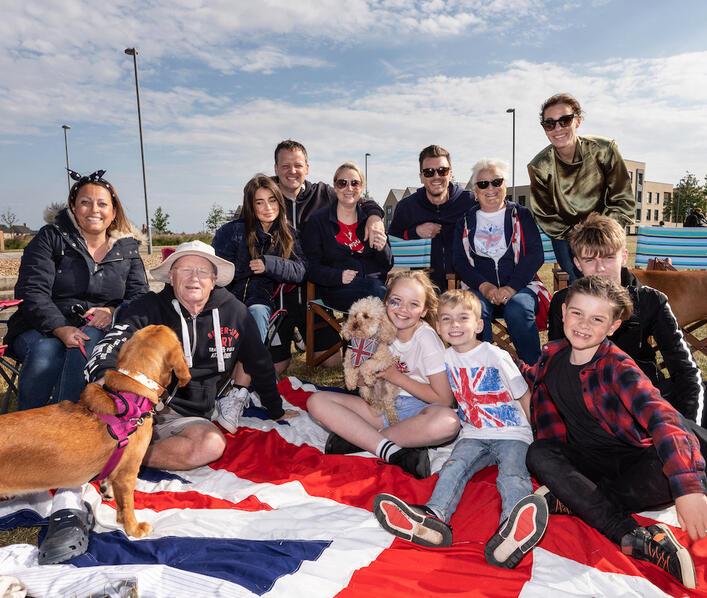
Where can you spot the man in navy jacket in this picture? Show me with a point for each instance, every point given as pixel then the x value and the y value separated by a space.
pixel 433 211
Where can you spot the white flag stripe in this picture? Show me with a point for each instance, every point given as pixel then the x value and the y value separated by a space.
pixel 554 576
pixel 67 581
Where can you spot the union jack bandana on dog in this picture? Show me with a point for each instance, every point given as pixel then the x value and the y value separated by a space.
pixel 362 349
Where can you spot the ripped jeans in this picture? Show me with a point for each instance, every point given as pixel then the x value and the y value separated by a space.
pixel 473 454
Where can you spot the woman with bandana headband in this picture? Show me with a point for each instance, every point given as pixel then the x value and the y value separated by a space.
pixel 73 275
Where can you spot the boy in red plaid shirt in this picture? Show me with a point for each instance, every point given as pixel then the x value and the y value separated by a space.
pixel 606 443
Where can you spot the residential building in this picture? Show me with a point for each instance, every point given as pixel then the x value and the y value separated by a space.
pixel 391 202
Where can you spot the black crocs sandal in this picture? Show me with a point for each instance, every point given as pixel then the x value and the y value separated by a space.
pixel 67 535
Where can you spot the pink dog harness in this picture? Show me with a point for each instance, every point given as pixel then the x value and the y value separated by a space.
pixel 132 410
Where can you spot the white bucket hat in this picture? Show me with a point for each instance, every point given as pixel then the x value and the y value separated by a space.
pixel 224 269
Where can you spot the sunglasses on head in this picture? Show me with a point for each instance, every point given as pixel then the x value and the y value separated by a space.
pixel 485 184
pixel 549 123
pixel 343 183
pixel 428 173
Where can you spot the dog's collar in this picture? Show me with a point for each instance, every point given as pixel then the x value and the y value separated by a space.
pixel 140 378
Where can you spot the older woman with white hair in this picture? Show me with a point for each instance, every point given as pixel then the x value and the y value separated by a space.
pixel 497 253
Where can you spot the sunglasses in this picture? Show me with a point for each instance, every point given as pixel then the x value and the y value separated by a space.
pixel 485 184
pixel 343 183
pixel 549 123
pixel 428 173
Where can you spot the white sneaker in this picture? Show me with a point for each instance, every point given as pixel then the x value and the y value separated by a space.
pixel 299 341
pixel 229 408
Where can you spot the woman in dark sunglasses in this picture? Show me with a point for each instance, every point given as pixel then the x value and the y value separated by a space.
pixel 339 262
pixel 574 176
pixel 497 254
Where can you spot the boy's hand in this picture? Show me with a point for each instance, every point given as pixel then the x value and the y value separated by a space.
pixel 692 514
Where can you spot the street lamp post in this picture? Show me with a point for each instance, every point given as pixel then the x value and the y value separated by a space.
pixel 513 166
pixel 133 52
pixel 66 153
pixel 365 159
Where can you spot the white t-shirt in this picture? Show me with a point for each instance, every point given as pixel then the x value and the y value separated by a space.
pixel 485 383
pixel 490 235
pixel 421 356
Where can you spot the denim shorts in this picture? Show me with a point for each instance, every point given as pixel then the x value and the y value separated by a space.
pixel 406 407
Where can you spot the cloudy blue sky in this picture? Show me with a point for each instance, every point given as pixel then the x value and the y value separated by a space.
pixel 223 81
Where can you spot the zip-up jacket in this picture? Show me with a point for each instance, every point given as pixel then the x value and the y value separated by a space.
pixel 57 272
pixel 504 272
pixel 327 258
pixel 416 209
pixel 231 243
pixel 315 196
pixel 627 406
pixel 652 317
pixel 209 364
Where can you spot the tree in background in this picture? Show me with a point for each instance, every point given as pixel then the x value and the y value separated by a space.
pixel 687 194
pixel 9 218
pixel 160 221
pixel 217 216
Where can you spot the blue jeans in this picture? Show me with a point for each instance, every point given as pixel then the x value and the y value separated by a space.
pixel 563 255
pixel 343 296
pixel 49 369
pixel 261 314
pixel 519 314
pixel 473 454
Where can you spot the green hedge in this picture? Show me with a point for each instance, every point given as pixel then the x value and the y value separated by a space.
pixel 175 239
pixel 17 242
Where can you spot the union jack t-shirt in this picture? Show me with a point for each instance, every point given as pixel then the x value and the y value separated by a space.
pixel 486 384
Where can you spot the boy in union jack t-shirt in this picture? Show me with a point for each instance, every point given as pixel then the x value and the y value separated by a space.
pixel 493 400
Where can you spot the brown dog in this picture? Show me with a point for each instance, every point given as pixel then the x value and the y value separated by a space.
pixel 66 444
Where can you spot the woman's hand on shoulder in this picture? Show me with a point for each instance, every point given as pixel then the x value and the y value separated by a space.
pixel 71 336
pixel 257 266
pixel 100 317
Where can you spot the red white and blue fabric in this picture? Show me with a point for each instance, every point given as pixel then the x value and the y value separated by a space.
pixel 481 397
pixel 362 349
pixel 536 285
pixel 276 517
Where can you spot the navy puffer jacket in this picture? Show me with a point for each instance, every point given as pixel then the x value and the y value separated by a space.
pixel 57 272
pixel 231 243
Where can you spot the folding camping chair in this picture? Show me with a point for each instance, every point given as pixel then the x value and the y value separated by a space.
pixel 9 366
pixel 407 255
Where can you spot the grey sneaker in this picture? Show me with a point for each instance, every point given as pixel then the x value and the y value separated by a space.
pixel 414 523
pixel 523 529
pixel 657 544
pixel 554 505
pixel 229 409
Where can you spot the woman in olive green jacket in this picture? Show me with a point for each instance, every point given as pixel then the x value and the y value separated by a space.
pixel 574 176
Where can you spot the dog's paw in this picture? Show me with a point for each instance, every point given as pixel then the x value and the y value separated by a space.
pixel 106 490
pixel 140 530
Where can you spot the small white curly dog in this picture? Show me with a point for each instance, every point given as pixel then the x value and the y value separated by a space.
pixel 370 333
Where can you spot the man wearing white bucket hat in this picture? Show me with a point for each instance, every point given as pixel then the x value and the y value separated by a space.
pixel 216 331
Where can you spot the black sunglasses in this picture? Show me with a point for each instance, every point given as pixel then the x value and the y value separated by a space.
pixel 343 183
pixel 428 173
pixel 485 184
pixel 549 123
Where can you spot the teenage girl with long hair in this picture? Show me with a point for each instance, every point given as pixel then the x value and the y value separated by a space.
pixel 263 247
